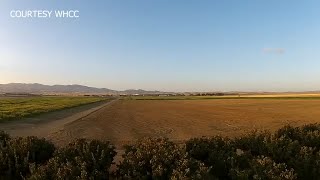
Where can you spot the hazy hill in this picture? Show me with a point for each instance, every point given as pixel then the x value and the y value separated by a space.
pixel 40 88
pixel 47 89
pixel 139 91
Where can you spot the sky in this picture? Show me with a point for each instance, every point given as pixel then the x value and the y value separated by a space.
pixel 167 45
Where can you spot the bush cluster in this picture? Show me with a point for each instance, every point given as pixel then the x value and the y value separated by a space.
pixel 18 153
pixel 289 153
pixel 35 158
pixel 81 159
pixel 159 159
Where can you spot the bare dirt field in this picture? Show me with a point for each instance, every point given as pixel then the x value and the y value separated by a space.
pixel 126 120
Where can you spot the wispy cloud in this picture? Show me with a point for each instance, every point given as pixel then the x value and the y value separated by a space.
pixel 274 50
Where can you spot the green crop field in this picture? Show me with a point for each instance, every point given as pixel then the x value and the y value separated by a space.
pixel 17 108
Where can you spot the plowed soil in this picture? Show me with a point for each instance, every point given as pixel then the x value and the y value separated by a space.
pixel 126 120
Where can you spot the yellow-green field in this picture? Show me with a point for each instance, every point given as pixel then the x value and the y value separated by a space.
pixel 17 108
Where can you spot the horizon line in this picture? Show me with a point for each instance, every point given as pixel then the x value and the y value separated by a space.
pixel 205 91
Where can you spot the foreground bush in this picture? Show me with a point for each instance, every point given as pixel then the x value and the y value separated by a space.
pixel 79 160
pixel 289 153
pixel 214 152
pixel 4 137
pixel 18 153
pixel 159 159
pixel 264 168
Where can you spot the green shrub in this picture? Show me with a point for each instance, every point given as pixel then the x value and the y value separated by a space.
pixel 264 168
pixel 80 159
pixel 18 153
pixel 4 137
pixel 38 150
pixel 307 135
pixel 282 150
pixel 57 168
pixel 200 148
pixel 189 168
pixel 289 132
pixel 310 127
pixel 159 159
pixel 306 163
pixel 255 142
pixel 220 154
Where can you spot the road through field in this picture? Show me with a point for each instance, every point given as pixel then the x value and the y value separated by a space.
pixel 46 124
pixel 127 120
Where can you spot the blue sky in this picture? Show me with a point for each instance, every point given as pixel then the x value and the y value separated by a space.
pixel 180 45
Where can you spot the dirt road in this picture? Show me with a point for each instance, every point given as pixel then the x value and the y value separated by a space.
pixel 46 124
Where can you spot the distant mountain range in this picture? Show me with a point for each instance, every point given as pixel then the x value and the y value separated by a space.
pixel 35 88
pixel 64 89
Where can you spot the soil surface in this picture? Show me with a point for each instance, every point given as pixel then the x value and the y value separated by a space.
pixel 123 121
